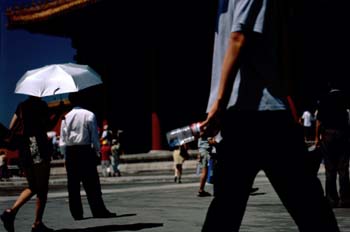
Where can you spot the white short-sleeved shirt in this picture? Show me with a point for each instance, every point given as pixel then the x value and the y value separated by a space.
pixel 255 84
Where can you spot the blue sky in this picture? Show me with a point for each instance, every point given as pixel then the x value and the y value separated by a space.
pixel 21 51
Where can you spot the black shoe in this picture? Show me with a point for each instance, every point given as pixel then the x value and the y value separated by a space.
pixel 8 218
pixel 334 203
pixel 41 228
pixel 344 204
pixel 106 214
pixel 175 179
pixel 78 218
pixel 203 194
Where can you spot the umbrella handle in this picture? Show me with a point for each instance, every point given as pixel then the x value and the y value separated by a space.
pixel 54 92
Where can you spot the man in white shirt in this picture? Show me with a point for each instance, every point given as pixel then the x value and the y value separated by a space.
pixel 306 120
pixel 80 143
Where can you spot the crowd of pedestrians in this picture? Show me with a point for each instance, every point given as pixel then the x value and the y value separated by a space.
pixel 111 151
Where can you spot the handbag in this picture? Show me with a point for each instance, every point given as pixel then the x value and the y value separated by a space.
pixel 4 132
pixel 184 153
pixel 211 168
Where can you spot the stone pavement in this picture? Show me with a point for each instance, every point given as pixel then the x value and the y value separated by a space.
pixel 163 207
pixel 146 199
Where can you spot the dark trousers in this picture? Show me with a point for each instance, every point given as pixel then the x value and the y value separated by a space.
pixel 81 168
pixel 274 143
pixel 335 150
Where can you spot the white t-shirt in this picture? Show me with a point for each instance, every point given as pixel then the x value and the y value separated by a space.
pixel 307 119
pixel 258 78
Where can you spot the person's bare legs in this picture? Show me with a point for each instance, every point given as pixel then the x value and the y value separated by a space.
pixel 202 182
pixel 25 196
pixel 203 178
pixel 175 173
pixel 39 209
pixel 8 216
pixel 178 173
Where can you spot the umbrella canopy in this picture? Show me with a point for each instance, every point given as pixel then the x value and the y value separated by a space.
pixel 57 79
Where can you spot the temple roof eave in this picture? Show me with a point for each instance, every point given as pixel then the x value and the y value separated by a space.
pixel 23 17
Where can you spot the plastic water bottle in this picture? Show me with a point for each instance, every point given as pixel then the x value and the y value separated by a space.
pixel 180 136
pixel 198 169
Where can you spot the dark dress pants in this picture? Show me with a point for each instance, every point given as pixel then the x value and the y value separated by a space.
pixel 272 142
pixel 81 168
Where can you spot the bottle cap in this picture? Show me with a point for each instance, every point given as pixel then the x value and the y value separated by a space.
pixel 196 128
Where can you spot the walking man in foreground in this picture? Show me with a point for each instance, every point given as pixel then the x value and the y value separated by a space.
pixel 249 104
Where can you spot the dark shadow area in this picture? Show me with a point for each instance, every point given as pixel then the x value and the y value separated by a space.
pixel 118 216
pixel 257 193
pixel 108 228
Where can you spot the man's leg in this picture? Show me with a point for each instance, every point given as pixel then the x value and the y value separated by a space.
pixel 234 176
pixel 232 189
pixel 297 186
pixel 92 186
pixel 93 191
pixel 73 166
pixel 344 182
pixel 328 151
pixel 204 161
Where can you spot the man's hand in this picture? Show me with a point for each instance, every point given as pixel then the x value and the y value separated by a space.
pixel 98 158
pixel 212 125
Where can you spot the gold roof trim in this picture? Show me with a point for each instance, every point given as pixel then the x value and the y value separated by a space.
pixel 42 11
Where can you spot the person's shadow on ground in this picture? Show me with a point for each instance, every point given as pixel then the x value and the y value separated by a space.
pixel 110 228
